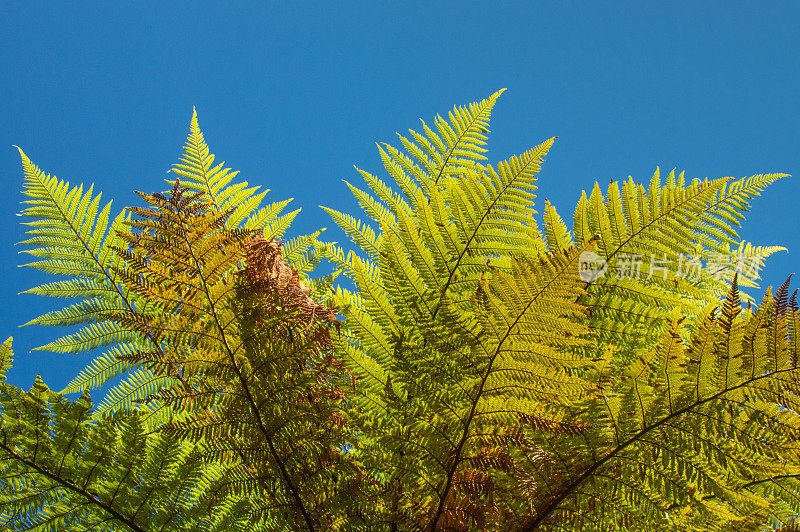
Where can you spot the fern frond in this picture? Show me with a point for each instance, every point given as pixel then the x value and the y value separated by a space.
pixel 665 247
pixel 245 366
pixel 558 236
pixel 484 359
pixel 103 368
pixel 86 311
pixel 74 237
pixel 363 235
pixel 6 358
pixel 413 328
pixel 61 471
pixel 699 446
pixel 139 388
pixel 67 225
pixel 92 337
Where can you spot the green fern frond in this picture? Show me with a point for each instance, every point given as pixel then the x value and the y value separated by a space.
pixel 558 236
pixel 271 220
pixel 245 367
pixel 103 368
pixel 61 471
pixel 660 246
pixel 459 142
pixel 86 311
pixel 694 430
pixel 360 233
pixel 478 345
pixel 732 202
pixel 67 225
pixel 6 358
pixel 69 288
pixel 74 237
pixel 93 336
pixel 138 388
pixel 301 251
pixel 490 374
pixel 416 335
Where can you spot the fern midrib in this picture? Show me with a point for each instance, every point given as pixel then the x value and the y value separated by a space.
pixel 71 440
pixel 708 337
pixel 474 234
pixel 478 394
pixel 298 502
pixel 455 145
pixel 161 466
pixel 675 208
pixel 204 175
pixel 730 318
pixel 74 488
pixel 770 479
pixel 84 243
pixel 130 467
pixel 555 503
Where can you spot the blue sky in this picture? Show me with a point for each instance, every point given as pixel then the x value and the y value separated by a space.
pixel 295 94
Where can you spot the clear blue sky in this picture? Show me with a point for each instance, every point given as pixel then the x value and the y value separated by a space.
pixel 293 94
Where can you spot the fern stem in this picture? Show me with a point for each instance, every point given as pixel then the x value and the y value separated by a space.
pixel 465 434
pixel 129 522
pixel 471 238
pixel 769 479
pixel 293 490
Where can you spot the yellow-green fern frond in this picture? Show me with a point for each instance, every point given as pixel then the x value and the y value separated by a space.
pixel 6 358
pixel 486 351
pixel 700 431
pixel 92 337
pixel 240 361
pixel 74 236
pixel 456 145
pixel 558 236
pixel 138 388
pixel 216 183
pixel 414 335
pixel 62 470
pixel 663 247
pixel 103 368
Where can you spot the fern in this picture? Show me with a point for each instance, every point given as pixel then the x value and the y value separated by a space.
pixel 694 432
pixel 72 238
pixel 479 351
pixel 483 377
pixel 72 235
pixel 247 351
pixel 63 472
pixel 646 236
pixel 216 183
pixel 443 377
